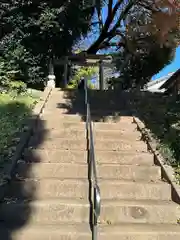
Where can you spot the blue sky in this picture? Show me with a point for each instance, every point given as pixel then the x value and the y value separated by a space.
pixel 175 65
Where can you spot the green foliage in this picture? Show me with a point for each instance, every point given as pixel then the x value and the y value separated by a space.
pixel 147 54
pixel 32 31
pixel 17 86
pixel 4 74
pixel 161 114
pixel 13 111
pixel 130 29
pixel 141 67
pixel 9 80
pixel 86 72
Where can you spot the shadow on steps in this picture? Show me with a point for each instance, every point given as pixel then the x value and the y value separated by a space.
pixel 103 104
pixel 159 112
pixel 13 216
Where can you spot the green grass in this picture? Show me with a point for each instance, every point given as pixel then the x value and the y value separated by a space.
pixel 14 109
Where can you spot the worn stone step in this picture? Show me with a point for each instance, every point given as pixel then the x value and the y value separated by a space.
pixel 76 188
pixel 56 102
pixel 105 171
pixel 106 144
pixel 54 232
pixel 79 105
pixel 66 107
pixel 81 232
pixel 76 117
pixel 58 143
pixel 105 106
pixel 139 232
pixel 79 98
pixel 105 232
pixel 81 110
pixel 45 211
pixel 80 134
pixel 77 211
pixel 139 211
pixel 82 125
pixel 65 133
pixel 80 102
pixel 105 112
pixel 54 156
pixel 65 110
pixel 47 232
pixel 76 156
pixel 63 118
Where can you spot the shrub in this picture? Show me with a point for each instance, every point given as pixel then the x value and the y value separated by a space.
pixel 17 86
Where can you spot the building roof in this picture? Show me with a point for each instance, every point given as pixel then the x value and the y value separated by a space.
pixel 171 80
pixel 154 85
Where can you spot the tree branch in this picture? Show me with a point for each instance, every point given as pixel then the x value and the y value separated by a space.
pixel 110 6
pixel 100 18
pixel 111 44
pixel 122 16
pixel 111 13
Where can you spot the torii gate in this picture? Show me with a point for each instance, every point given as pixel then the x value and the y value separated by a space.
pixel 81 59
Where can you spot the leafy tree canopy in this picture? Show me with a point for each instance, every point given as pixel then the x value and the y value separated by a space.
pixel 33 31
pixel 144 35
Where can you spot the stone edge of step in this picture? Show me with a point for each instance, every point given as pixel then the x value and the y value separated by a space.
pixel 83 230
pixel 24 138
pixel 166 170
pixel 83 203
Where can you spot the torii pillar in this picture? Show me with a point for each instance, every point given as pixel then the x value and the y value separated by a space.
pixel 101 75
pixel 65 71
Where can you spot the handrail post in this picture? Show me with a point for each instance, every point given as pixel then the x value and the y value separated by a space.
pixel 85 90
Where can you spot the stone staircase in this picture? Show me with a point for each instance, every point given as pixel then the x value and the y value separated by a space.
pixel 48 197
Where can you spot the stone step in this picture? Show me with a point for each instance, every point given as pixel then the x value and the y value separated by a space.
pixel 105 171
pixel 60 111
pixel 45 211
pixel 95 112
pixel 79 101
pixel 47 232
pixel 76 117
pixel 75 96
pixel 93 94
pixel 139 232
pixel 139 211
pixel 77 144
pixel 65 133
pixel 76 188
pixel 80 134
pixel 105 232
pixel 77 211
pixel 76 156
pixel 82 125
pixel 58 98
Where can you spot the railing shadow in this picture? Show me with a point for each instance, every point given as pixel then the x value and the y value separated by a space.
pixel 20 190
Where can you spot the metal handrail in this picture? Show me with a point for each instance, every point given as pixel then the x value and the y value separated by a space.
pixel 95 197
